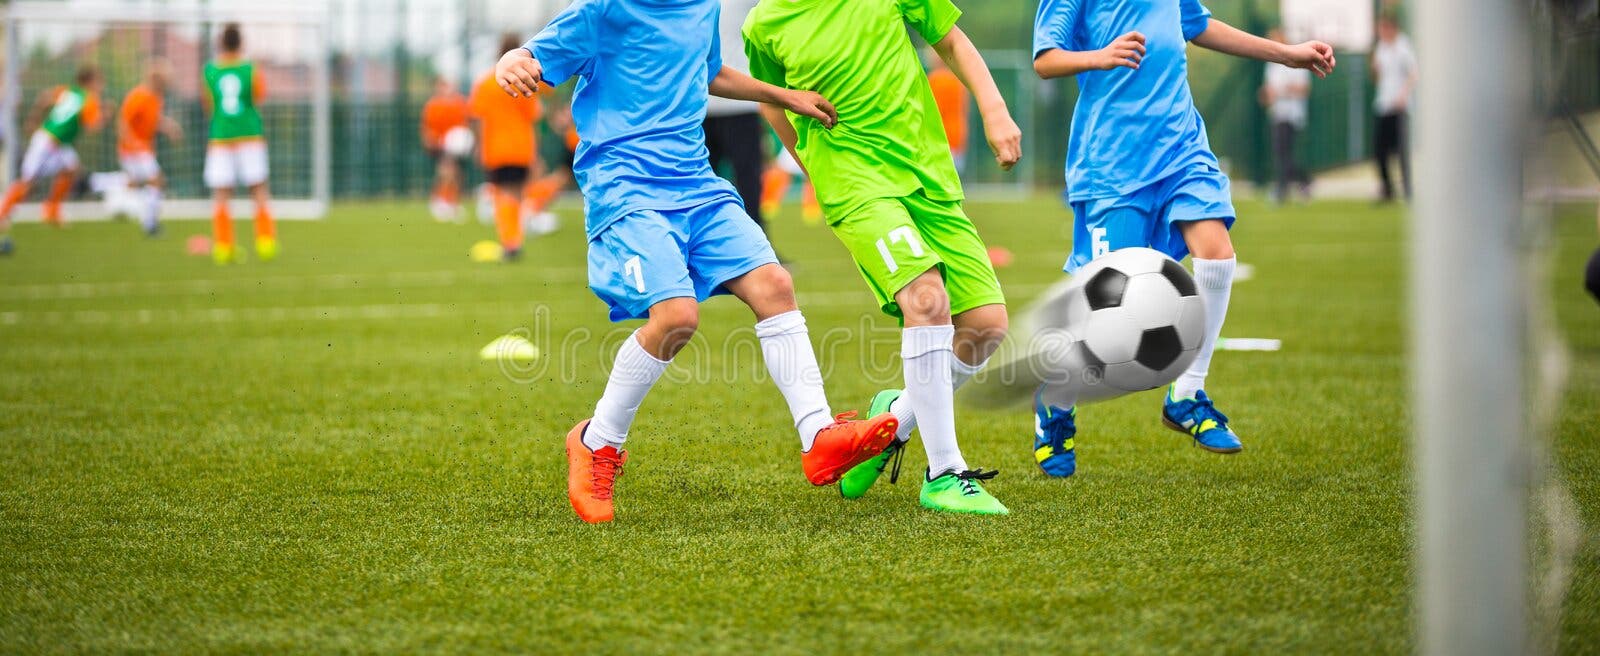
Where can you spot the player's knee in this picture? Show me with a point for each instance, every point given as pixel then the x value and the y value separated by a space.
pixel 984 328
pixel 925 302
pixel 676 319
pixel 773 289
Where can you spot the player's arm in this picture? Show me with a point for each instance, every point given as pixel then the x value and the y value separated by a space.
pixel 785 131
pixel 1125 51
pixel 1314 56
pixel 732 84
pixel 963 58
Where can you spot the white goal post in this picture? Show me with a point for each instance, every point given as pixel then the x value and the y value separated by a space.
pixel 47 40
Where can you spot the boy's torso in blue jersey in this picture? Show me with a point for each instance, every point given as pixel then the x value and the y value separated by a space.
pixel 643 69
pixel 1131 128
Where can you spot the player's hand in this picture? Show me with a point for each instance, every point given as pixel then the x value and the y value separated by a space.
pixel 1314 56
pixel 518 73
pixel 1127 51
pixel 811 104
pixel 1005 139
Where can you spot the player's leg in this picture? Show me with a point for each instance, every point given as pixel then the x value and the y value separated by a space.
pixel 221 176
pixel 144 174
pixel 154 189
pixel 65 164
pixel 727 251
pixel 253 173
pixel 978 314
pixel 1384 136
pixel 907 276
pixel 1199 210
pixel 1100 226
pixel 507 183
pixel 35 162
pixel 637 267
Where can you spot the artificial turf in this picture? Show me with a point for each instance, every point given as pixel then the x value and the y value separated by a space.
pixel 308 455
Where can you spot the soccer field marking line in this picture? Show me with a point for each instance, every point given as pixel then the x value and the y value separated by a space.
pixel 147 316
pixel 409 279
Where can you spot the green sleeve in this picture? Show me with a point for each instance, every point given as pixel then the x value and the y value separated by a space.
pixel 930 18
pixel 763 66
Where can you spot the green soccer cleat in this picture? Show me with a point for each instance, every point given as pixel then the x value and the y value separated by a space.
pixel 960 492
pixel 855 483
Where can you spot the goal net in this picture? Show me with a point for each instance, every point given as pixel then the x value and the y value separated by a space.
pixel 47 41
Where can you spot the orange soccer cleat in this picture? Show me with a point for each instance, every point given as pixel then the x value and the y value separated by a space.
pixel 591 475
pixel 845 444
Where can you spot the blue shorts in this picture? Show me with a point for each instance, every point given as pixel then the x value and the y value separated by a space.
pixel 650 256
pixel 1149 217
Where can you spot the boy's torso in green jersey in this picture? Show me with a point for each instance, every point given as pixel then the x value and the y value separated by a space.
pixel 233 100
pixel 889 141
pixel 65 120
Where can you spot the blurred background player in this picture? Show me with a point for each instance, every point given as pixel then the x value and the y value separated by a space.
pixel 62 113
pixel 1284 92
pixel 735 133
pixel 1140 173
pixel 951 97
pixel 138 122
pixel 237 153
pixel 781 172
pixel 552 174
pixel 505 128
pixel 445 112
pixel 1394 70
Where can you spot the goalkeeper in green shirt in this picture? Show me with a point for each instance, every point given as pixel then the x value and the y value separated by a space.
pixel 890 191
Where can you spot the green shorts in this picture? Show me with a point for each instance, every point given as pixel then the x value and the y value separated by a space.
pixel 894 240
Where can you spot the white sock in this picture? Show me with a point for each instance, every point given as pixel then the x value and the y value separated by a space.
pixel 152 207
pixel 927 354
pixel 1215 280
pixel 632 376
pixel 792 363
pixel 960 373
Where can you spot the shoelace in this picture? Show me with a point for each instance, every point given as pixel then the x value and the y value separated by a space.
pixel 604 475
pixel 899 454
pixel 1205 410
pixel 1059 423
pixel 966 478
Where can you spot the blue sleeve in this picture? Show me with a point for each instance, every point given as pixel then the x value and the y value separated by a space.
pixel 1195 18
pixel 565 47
pixel 1052 27
pixel 714 58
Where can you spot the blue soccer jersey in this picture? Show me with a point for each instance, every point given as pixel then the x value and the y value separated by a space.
pixel 1131 127
pixel 643 69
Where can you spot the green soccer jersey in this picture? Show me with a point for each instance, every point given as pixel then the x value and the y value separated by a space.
pixel 65 120
pixel 889 142
pixel 233 100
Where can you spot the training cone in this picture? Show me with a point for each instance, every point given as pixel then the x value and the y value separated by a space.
pixel 198 245
pixel 486 251
pixel 509 347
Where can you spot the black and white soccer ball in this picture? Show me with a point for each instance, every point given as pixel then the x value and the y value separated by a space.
pixel 1137 319
pixel 1128 321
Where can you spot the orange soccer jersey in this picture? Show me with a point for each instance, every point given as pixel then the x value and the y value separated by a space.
pixel 507 124
pixel 440 115
pixel 951 98
pixel 141 118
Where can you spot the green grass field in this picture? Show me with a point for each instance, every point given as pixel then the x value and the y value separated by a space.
pixel 308 455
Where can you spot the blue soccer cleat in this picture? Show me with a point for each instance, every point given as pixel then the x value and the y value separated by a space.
pixel 1201 420
pixel 5 245
pixel 1053 432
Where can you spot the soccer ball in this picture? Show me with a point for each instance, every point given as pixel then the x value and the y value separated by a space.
pixel 458 142
pixel 1137 320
